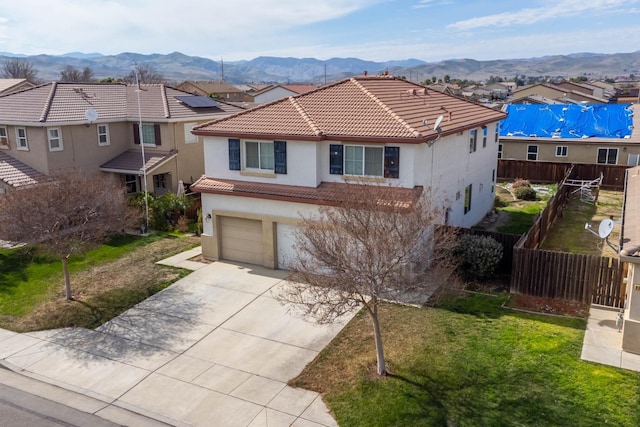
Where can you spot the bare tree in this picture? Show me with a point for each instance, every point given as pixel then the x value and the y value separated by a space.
pixel 382 243
pixel 146 74
pixel 68 214
pixel 18 68
pixel 71 74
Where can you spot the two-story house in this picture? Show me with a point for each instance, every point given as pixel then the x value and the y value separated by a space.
pixel 571 133
pixel 266 167
pixel 81 126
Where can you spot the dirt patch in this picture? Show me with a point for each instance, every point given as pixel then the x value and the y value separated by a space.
pixel 549 306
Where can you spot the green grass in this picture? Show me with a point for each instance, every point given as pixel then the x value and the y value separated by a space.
pixel 470 363
pixel 521 216
pixel 28 277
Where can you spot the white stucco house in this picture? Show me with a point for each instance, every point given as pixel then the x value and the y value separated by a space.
pixel 266 167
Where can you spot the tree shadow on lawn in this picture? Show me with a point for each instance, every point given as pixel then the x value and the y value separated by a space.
pixel 13 266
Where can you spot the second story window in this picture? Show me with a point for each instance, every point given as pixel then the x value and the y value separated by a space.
pixel 532 152
pixel 561 150
pixel 363 161
pixel 4 139
pixel 484 136
pixel 21 139
pixel 150 134
pixel 607 156
pixel 473 140
pixel 500 148
pixel 497 134
pixel 103 135
pixel 259 155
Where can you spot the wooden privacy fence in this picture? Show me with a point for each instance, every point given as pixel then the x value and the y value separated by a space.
pixel 613 175
pixel 577 277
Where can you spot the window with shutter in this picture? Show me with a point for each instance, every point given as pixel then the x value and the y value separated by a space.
pixel 336 156
pixel 392 162
pixel 280 155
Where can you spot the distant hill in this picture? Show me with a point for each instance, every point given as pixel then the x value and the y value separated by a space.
pixel 177 67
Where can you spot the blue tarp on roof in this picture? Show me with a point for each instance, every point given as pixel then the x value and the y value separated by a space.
pixel 568 121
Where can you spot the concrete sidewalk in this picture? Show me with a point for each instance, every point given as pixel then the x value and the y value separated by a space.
pixel 215 348
pixel 603 343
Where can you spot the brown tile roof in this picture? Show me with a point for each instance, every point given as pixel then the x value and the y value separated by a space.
pixel 212 86
pixel 630 245
pixel 300 88
pixel 359 108
pixel 17 174
pixel 68 102
pixel 327 193
pixel 130 162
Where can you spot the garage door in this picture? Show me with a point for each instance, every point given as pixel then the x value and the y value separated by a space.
pixel 241 240
pixel 286 241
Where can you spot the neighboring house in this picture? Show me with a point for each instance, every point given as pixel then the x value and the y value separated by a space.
pixel 267 166
pixel 216 89
pixel 630 253
pixel 570 133
pixel 65 126
pixel 275 92
pixel 8 86
pixel 564 95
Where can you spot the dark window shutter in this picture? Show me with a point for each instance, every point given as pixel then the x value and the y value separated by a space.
pixel 156 131
pixel 234 154
pixel 136 133
pixel 336 156
pixel 280 155
pixel 392 162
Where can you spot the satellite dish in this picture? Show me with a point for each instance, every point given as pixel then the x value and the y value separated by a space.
pixel 91 115
pixel 436 126
pixel 605 228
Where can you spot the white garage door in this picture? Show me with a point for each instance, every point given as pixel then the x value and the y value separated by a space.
pixel 286 251
pixel 241 240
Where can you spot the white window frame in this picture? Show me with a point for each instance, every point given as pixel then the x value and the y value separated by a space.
pixel 131 182
pixel 4 137
pixel 532 153
pixel 57 138
pixel 633 159
pixel 190 138
pixel 22 142
pixel 105 134
pixel 473 140
pixel 500 150
pixel 497 134
pixel 262 145
pixel 146 140
pixel 560 149
pixel 609 150
pixel 484 136
pixel 364 160
pixel 468 197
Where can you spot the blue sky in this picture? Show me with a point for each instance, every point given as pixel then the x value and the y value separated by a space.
pixel 377 30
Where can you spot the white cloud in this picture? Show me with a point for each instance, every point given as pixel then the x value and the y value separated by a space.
pixel 550 10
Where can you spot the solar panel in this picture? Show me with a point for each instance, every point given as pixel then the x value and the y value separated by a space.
pixel 197 101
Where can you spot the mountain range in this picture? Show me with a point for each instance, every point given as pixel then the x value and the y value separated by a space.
pixel 177 67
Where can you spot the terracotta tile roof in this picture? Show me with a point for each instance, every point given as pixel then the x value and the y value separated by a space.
pixel 68 102
pixel 359 108
pixel 300 88
pixel 130 162
pixel 212 86
pixel 327 193
pixel 630 245
pixel 10 85
pixel 17 174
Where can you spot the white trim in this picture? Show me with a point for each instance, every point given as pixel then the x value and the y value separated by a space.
pixel 364 160
pixel 190 138
pixel 530 152
pixel 4 138
pixel 259 168
pixel 565 149
pixel 19 146
pixel 57 137
pixel 106 133
pixel 607 158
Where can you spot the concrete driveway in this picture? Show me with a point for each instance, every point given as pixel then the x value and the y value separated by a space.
pixel 215 348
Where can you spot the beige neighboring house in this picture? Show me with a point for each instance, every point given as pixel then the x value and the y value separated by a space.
pixel 570 133
pixel 8 86
pixel 267 166
pixel 216 89
pixel 276 92
pixel 81 126
pixel 568 94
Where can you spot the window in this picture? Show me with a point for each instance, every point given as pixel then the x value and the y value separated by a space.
pixel 190 138
pixel 55 139
pixel 103 135
pixel 160 181
pixel 363 161
pixel 259 155
pixel 561 150
pixel 150 134
pixel 131 182
pixel 532 152
pixel 499 151
pixel 467 198
pixel 473 140
pixel 484 136
pixel 608 156
pixel 633 160
pixel 493 181
pixel 4 139
pixel 21 139
pixel 497 134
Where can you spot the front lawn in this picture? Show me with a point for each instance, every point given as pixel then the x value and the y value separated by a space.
pixel 470 362
pixel 105 281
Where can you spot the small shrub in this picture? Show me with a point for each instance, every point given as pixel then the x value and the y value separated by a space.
pixel 499 203
pixel 525 193
pixel 479 256
pixel 520 183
